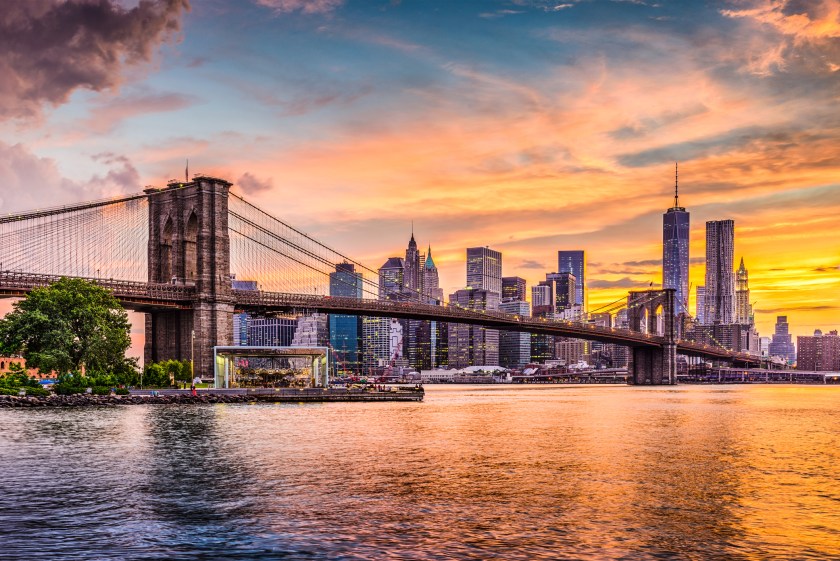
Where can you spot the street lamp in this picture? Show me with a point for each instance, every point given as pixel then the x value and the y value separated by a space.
pixel 192 355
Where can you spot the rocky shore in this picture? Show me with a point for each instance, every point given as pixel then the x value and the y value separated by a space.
pixel 87 400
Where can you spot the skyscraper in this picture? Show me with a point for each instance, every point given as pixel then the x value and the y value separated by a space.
pixel 513 289
pixel 781 344
pixel 413 275
pixel 575 262
pixel 675 233
pixel 743 309
pixel 473 345
pixel 484 270
pixel 720 276
pixel 431 280
pixel 346 331
pixel 700 314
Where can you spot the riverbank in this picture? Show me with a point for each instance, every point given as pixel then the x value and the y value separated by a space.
pixel 168 397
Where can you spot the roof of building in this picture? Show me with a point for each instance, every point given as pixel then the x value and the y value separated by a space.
pixel 430 263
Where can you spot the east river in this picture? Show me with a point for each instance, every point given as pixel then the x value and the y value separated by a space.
pixel 474 472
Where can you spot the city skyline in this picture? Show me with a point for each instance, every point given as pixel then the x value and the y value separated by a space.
pixel 365 106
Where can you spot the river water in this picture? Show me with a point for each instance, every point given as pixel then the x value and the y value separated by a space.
pixel 474 472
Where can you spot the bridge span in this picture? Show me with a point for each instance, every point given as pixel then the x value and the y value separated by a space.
pixel 168 253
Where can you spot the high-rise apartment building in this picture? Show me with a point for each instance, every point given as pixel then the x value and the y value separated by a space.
pixel 720 277
pixel 743 308
pixel 473 345
pixel 781 344
pixel 675 234
pixel 820 353
pixel 700 314
pixel 345 330
pixel 484 269
pixel 392 279
pixel 575 262
pixel 513 289
pixel 514 346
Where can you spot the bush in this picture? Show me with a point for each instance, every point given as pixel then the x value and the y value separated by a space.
pixel 37 392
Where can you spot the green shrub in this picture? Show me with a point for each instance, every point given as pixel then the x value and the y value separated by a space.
pixel 37 392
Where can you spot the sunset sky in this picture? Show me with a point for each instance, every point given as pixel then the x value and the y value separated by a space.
pixel 524 125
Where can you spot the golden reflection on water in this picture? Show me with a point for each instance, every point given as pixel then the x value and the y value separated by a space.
pixel 474 472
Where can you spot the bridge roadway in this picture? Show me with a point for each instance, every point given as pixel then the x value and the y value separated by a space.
pixel 143 297
pixel 267 302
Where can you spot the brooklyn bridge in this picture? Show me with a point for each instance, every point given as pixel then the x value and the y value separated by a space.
pixel 170 253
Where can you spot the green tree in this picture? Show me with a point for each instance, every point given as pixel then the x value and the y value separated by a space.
pixel 67 325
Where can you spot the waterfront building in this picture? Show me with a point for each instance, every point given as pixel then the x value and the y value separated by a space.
pixel 240 320
pixel 700 312
pixel 574 262
pixel 311 331
pixel 484 270
pixel 743 308
pixel 514 289
pixel 719 301
pixel 376 344
pixel 820 353
pixel 473 345
pixel 514 346
pixel 346 330
pixel 542 305
pixel 270 332
pixel 764 345
pixel 675 251
pixel 781 344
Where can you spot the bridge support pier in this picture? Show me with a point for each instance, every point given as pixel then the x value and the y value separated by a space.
pixel 189 244
pixel 653 366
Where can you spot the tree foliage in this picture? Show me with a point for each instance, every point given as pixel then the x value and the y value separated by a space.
pixel 67 325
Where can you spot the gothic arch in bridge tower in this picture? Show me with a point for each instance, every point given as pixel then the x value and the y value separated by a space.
pixel 658 321
pixel 191 248
pixel 165 251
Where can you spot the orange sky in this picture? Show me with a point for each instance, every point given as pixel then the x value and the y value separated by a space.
pixel 524 125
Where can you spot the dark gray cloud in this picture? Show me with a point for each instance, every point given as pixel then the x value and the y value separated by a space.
pixel 251 184
pixel 624 282
pixel 49 48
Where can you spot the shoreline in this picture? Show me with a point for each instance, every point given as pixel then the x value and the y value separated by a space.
pixel 183 397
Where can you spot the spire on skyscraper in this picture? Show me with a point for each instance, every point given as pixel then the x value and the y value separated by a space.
pixel 430 263
pixel 676 185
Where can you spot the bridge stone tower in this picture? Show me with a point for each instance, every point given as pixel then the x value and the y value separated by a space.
pixel 189 244
pixel 652 311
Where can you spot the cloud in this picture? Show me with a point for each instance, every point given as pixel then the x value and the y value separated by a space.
pixel 250 184
pixel 624 282
pixel 531 264
pixel 303 6
pixel 795 308
pixel 806 33
pixel 107 114
pixel 31 182
pixel 52 48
